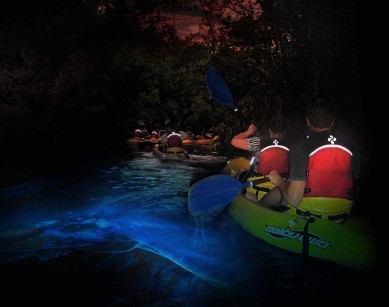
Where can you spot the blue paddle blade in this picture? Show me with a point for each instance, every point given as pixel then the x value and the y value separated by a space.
pixel 214 192
pixel 218 87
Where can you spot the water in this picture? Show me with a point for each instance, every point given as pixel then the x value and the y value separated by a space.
pixel 117 232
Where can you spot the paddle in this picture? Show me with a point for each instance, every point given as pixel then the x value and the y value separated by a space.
pixel 216 192
pixel 220 91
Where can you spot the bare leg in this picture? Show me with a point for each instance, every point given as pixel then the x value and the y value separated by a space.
pixel 271 198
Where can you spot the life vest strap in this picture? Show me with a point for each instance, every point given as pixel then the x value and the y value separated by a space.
pixel 327 208
pixel 336 217
pixel 305 247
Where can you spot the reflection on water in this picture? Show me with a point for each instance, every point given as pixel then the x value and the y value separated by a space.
pixel 128 220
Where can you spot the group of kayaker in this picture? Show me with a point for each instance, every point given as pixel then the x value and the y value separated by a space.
pixel 168 137
pixel 319 170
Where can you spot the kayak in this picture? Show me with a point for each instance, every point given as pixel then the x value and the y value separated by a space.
pixel 350 243
pixel 201 147
pixel 211 141
pixel 171 154
pixel 137 143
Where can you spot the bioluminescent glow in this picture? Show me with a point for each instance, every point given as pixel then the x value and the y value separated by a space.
pixel 135 205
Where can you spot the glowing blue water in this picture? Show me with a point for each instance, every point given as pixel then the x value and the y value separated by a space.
pixel 138 204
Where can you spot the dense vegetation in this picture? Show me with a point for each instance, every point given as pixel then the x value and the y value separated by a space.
pixel 76 73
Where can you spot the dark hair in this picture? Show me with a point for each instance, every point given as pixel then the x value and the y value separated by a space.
pixel 278 124
pixel 320 112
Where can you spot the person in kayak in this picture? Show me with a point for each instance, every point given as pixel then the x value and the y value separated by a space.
pixel 322 170
pixel 171 140
pixel 141 132
pixel 156 134
pixel 270 152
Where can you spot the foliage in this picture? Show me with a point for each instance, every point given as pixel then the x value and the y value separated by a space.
pixel 86 71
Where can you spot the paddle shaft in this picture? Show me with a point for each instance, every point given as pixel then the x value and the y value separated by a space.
pixel 241 116
pixel 259 181
pixel 263 180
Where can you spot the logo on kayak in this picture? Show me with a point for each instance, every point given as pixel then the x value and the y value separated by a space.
pixel 282 233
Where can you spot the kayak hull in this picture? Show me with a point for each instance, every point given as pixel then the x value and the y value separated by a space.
pixel 140 144
pixel 350 243
pixel 170 156
pixel 202 147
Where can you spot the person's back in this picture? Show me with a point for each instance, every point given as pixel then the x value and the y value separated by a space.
pixel 270 152
pixel 274 152
pixel 174 139
pixel 273 156
pixel 138 134
pixel 321 169
pixel 171 140
pixel 329 170
pixel 155 133
pixel 141 132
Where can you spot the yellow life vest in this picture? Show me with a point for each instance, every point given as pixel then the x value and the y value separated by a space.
pixel 236 166
pixel 259 190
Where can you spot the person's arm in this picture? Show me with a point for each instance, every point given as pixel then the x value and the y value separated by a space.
pixel 292 191
pixel 183 134
pixel 239 140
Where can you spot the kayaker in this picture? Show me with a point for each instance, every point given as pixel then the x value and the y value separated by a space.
pixel 171 140
pixel 271 152
pixel 322 169
pixel 141 132
pixel 156 134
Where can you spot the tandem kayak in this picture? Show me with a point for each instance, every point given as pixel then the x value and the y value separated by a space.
pixel 350 243
pixel 171 154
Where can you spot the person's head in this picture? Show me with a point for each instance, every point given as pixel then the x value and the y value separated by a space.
pixel 278 125
pixel 320 113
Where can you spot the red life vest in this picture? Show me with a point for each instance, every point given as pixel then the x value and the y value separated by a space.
pixel 329 173
pixel 174 140
pixel 273 157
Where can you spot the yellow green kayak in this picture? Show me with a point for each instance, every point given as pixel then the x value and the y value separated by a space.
pixel 350 242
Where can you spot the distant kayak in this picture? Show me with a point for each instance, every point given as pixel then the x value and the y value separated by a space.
pixel 137 143
pixel 211 141
pixel 171 154
pixel 201 147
